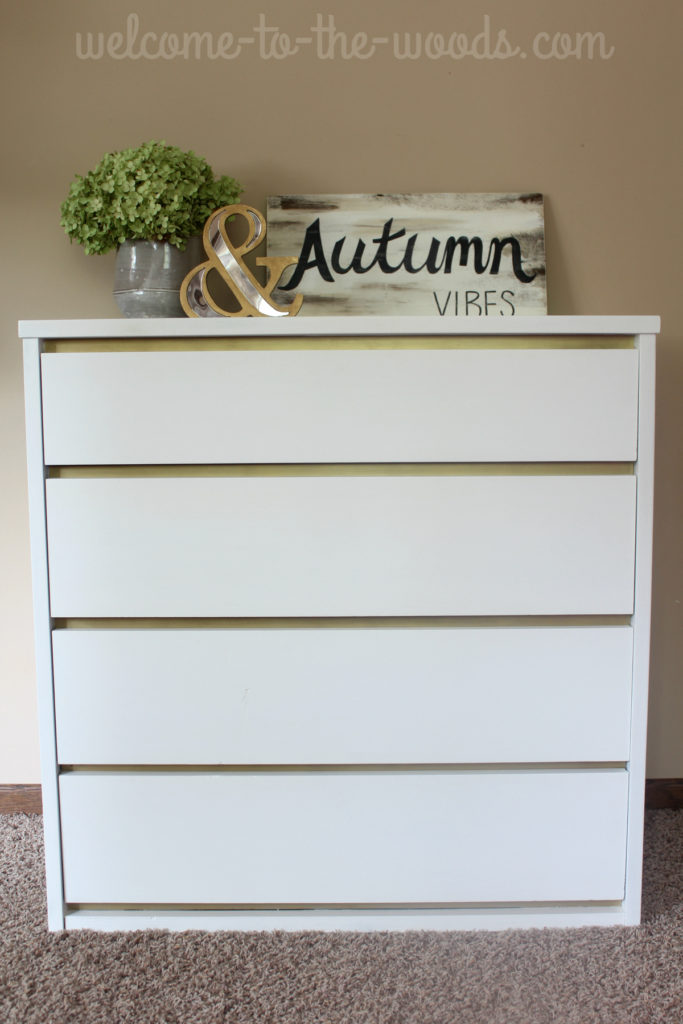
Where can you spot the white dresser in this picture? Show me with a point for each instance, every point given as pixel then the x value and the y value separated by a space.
pixel 342 623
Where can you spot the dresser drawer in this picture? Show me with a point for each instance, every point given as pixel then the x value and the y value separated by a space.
pixel 341 546
pixel 342 696
pixel 348 406
pixel 343 837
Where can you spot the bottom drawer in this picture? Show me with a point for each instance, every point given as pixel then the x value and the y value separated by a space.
pixel 343 837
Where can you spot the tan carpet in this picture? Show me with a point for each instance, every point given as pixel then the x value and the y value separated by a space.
pixel 584 976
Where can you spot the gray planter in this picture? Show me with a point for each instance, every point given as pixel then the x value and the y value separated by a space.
pixel 148 276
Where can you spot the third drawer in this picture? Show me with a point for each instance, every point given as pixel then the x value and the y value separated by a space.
pixel 343 696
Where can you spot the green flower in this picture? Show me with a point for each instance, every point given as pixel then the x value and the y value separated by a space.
pixel 155 192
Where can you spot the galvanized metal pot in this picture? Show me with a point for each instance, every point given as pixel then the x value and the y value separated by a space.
pixel 148 276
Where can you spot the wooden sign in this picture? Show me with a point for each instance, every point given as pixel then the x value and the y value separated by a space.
pixel 447 255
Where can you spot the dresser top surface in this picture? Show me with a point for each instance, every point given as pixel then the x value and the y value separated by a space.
pixel 337 326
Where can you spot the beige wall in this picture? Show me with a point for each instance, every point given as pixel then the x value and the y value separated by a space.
pixel 601 139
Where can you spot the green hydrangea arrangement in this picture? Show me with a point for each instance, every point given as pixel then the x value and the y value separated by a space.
pixel 154 192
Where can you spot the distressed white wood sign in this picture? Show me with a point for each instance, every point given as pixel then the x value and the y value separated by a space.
pixel 449 255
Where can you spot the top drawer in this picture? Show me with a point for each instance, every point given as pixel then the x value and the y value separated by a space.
pixel 328 406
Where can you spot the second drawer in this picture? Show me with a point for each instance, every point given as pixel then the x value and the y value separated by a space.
pixel 341 546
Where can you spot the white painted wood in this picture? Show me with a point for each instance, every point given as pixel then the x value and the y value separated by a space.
pixel 341 546
pixel 583 528
pixel 344 837
pixel 481 918
pixel 641 619
pixel 41 614
pixel 335 326
pixel 351 406
pixel 342 696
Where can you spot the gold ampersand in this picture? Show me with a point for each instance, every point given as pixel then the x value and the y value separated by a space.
pixel 254 299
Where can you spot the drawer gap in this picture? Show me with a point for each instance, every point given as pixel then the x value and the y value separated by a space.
pixel 202 907
pixel 344 469
pixel 347 622
pixel 289 769
pixel 597 341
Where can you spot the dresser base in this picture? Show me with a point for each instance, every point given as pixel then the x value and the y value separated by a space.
pixel 464 919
